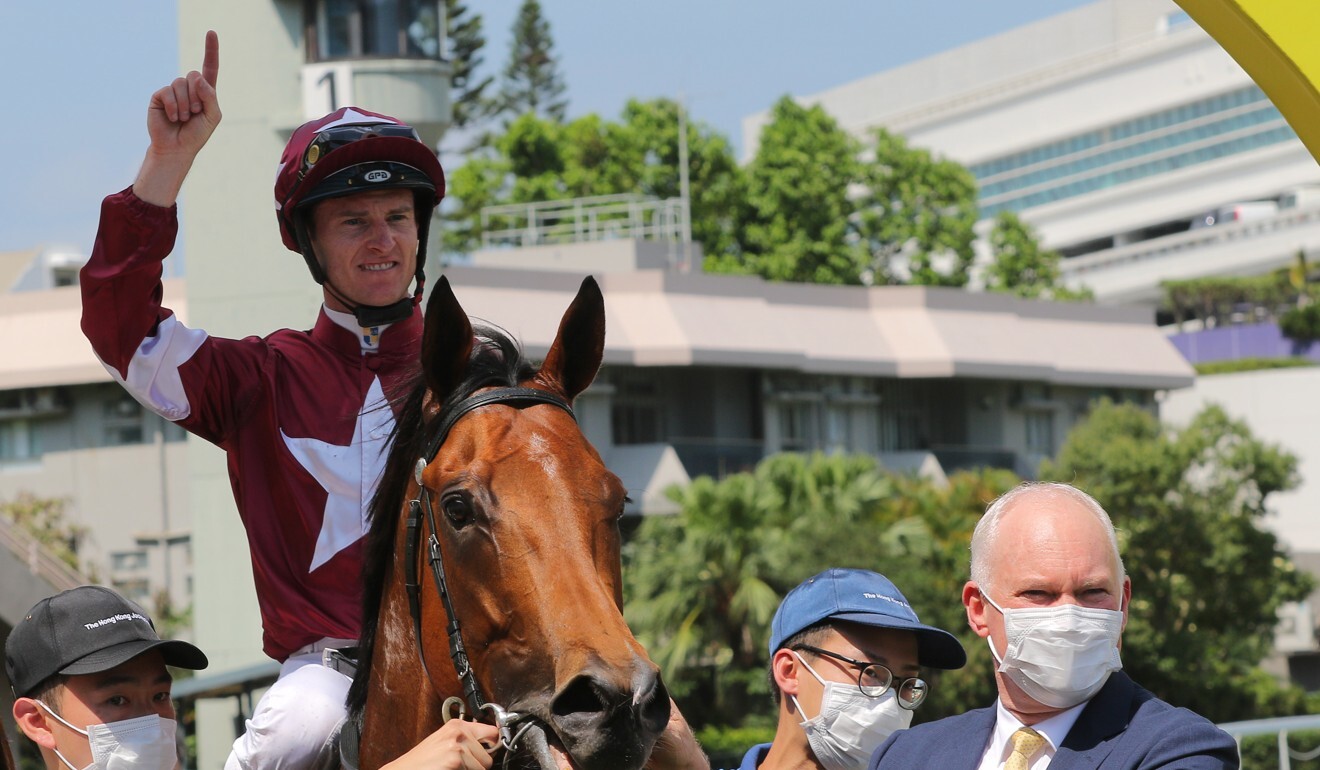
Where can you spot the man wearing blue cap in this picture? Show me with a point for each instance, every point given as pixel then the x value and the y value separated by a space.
pixel 846 652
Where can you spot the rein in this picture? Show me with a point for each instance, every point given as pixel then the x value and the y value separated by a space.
pixel 457 652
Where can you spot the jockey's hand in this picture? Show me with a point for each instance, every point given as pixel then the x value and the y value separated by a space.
pixel 180 119
pixel 458 745
pixel 184 113
pixel 677 748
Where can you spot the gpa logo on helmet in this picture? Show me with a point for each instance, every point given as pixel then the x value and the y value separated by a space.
pixel 379 175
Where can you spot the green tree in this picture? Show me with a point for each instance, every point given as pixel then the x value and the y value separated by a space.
pixel 43 519
pixel 531 82
pixel 701 587
pixel 794 222
pixel 479 183
pixel 471 105
pixel 1021 266
pixel 648 137
pixel 536 159
pixel 698 589
pixel 919 210
pixel 1207 578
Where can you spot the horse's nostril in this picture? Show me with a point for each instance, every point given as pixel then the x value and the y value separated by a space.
pixel 579 697
pixel 654 711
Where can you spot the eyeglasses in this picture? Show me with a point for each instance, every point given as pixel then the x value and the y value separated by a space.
pixel 874 679
pixel 331 139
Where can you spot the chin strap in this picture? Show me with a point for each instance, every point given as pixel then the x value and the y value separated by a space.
pixel 378 315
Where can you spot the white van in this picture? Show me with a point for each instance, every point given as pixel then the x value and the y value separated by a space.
pixel 1243 211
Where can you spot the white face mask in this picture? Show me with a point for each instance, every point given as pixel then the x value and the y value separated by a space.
pixel 144 743
pixel 1060 656
pixel 851 725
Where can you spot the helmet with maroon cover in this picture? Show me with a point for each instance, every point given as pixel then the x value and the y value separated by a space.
pixel 347 152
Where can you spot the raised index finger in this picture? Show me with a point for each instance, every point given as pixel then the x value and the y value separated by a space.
pixel 211 59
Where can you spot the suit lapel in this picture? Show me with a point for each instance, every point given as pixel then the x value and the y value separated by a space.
pixel 974 731
pixel 1091 738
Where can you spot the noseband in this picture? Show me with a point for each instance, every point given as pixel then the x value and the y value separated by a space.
pixel 457 652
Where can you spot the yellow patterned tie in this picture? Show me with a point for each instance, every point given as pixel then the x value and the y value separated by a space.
pixel 1026 743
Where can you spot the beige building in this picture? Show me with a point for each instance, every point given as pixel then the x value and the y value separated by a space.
pixel 703 374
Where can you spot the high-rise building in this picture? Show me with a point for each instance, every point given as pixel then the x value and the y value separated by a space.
pixel 1131 141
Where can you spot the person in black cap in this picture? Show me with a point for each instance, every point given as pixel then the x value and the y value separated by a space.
pixel 90 684
pixel 846 652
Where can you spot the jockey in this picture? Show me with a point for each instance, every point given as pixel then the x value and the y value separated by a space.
pixel 301 415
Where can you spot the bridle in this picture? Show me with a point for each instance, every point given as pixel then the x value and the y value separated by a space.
pixel 519 396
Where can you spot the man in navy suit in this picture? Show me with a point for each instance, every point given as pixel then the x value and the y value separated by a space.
pixel 1050 595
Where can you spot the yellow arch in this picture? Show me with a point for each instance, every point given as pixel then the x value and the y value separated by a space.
pixel 1275 42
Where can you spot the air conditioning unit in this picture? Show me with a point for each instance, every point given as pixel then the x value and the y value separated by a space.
pixel 1296 629
pixel 47 400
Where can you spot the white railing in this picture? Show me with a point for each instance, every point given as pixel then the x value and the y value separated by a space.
pixel 1198 238
pixel 40 561
pixel 598 218
pixel 1279 726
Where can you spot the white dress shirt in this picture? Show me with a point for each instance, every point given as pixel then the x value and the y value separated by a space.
pixel 1053 730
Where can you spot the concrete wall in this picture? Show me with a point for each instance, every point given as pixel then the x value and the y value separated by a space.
pixel 241 281
pixel 1280 406
pixel 115 493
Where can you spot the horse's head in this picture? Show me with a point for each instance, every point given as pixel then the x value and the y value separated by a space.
pixel 526 518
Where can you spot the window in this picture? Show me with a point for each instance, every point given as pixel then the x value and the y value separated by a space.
pixel 833 414
pixel 128 561
pixel 352 29
pixel 1040 432
pixel 137 590
pixel 64 276
pixel 1175 20
pixel 18 441
pixel 635 412
pixel 124 422
pixel 798 425
pixel 1202 131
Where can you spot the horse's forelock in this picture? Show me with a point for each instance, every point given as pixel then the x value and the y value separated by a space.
pixel 496 360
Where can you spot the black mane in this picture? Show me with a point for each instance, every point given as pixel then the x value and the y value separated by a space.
pixel 496 360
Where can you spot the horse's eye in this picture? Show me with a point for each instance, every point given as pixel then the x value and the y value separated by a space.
pixel 458 509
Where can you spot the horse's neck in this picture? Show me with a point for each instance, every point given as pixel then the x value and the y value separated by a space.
pixel 403 706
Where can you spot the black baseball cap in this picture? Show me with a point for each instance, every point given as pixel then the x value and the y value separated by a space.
pixel 85 630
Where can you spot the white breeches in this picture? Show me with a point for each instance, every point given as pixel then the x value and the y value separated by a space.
pixel 294 719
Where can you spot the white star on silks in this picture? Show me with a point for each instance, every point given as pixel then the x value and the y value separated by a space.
pixel 341 471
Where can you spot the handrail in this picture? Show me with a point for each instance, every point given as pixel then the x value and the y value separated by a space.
pixel 1279 726
pixel 1192 239
pixel 40 561
pixel 577 220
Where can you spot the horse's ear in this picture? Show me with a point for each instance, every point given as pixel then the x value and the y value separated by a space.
pixel 575 355
pixel 446 341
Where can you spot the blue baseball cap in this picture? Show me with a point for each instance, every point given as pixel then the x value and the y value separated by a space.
pixel 866 598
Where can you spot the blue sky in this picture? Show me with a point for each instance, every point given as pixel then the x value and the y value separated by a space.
pixel 77 75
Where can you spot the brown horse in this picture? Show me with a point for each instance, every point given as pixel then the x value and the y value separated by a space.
pixel 523 517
